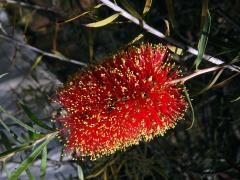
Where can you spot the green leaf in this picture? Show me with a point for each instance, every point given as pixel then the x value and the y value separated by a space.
pixel 147 7
pixel 19 122
pixel 170 10
pixel 130 9
pixel 29 174
pixel 11 152
pixel 37 61
pixel 4 125
pixel 43 163
pixel 29 160
pixel 34 118
pixel 191 106
pixel 202 44
pixel 104 21
pixel 35 136
pixel 3 75
pixel 80 173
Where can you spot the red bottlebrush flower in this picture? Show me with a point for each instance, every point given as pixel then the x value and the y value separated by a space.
pixel 124 100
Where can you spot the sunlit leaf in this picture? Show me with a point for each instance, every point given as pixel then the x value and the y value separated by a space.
pixel 59 54
pixel 43 163
pixel 147 7
pixel 3 75
pixel 237 99
pixel 140 36
pixel 36 62
pixel 175 50
pixel 103 22
pixel 19 122
pixel 29 160
pixel 167 32
pixel 34 118
pixel 80 173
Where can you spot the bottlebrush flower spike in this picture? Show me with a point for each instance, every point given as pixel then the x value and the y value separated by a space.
pixel 124 100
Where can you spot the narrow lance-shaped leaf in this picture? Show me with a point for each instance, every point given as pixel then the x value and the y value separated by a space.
pixel 202 44
pixel 236 59
pixel 80 172
pixel 237 99
pixel 167 32
pixel 4 125
pixel 43 163
pixel 140 36
pixel 13 137
pixel 5 169
pixel 191 106
pixel 36 62
pixel 3 75
pixel 19 122
pixel 34 118
pixel 59 54
pixel 103 22
pixel 6 140
pixel 212 82
pixel 225 81
pixel 80 15
pixel 170 10
pixel 147 7
pixel 29 174
pixel 29 160
pixel 11 152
